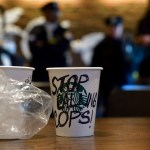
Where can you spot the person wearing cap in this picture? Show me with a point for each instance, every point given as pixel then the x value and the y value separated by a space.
pixel 109 55
pixel 48 43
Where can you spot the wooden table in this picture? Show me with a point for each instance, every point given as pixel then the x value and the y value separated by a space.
pixel 110 134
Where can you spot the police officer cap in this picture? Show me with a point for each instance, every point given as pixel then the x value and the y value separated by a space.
pixel 53 6
pixel 113 20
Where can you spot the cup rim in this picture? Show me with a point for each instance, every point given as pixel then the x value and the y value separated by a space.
pixel 17 67
pixel 75 68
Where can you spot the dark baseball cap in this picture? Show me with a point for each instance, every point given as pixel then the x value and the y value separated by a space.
pixel 52 6
pixel 113 20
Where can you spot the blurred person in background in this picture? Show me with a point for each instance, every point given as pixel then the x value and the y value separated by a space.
pixel 109 54
pixel 10 35
pixel 143 41
pixel 49 43
pixel 137 51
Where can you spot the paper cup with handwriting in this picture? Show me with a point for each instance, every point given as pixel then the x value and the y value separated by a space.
pixel 20 73
pixel 74 92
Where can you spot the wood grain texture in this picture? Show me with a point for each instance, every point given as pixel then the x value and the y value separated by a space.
pixel 110 134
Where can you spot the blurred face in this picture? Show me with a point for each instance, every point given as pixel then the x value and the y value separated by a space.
pixel 116 31
pixel 51 16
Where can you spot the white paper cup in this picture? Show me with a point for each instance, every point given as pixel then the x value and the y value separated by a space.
pixel 74 92
pixel 20 73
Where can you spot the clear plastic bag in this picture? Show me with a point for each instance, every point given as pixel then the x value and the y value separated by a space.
pixel 24 109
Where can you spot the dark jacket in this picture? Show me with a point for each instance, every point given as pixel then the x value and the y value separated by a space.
pixel 109 55
pixel 47 52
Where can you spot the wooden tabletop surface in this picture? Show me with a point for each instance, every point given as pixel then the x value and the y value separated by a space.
pixel 110 134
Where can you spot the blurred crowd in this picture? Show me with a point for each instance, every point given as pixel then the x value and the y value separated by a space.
pixel 47 42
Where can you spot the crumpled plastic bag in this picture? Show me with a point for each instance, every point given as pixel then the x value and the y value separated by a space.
pixel 24 109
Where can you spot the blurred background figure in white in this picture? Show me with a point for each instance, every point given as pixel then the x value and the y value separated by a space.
pixel 10 37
